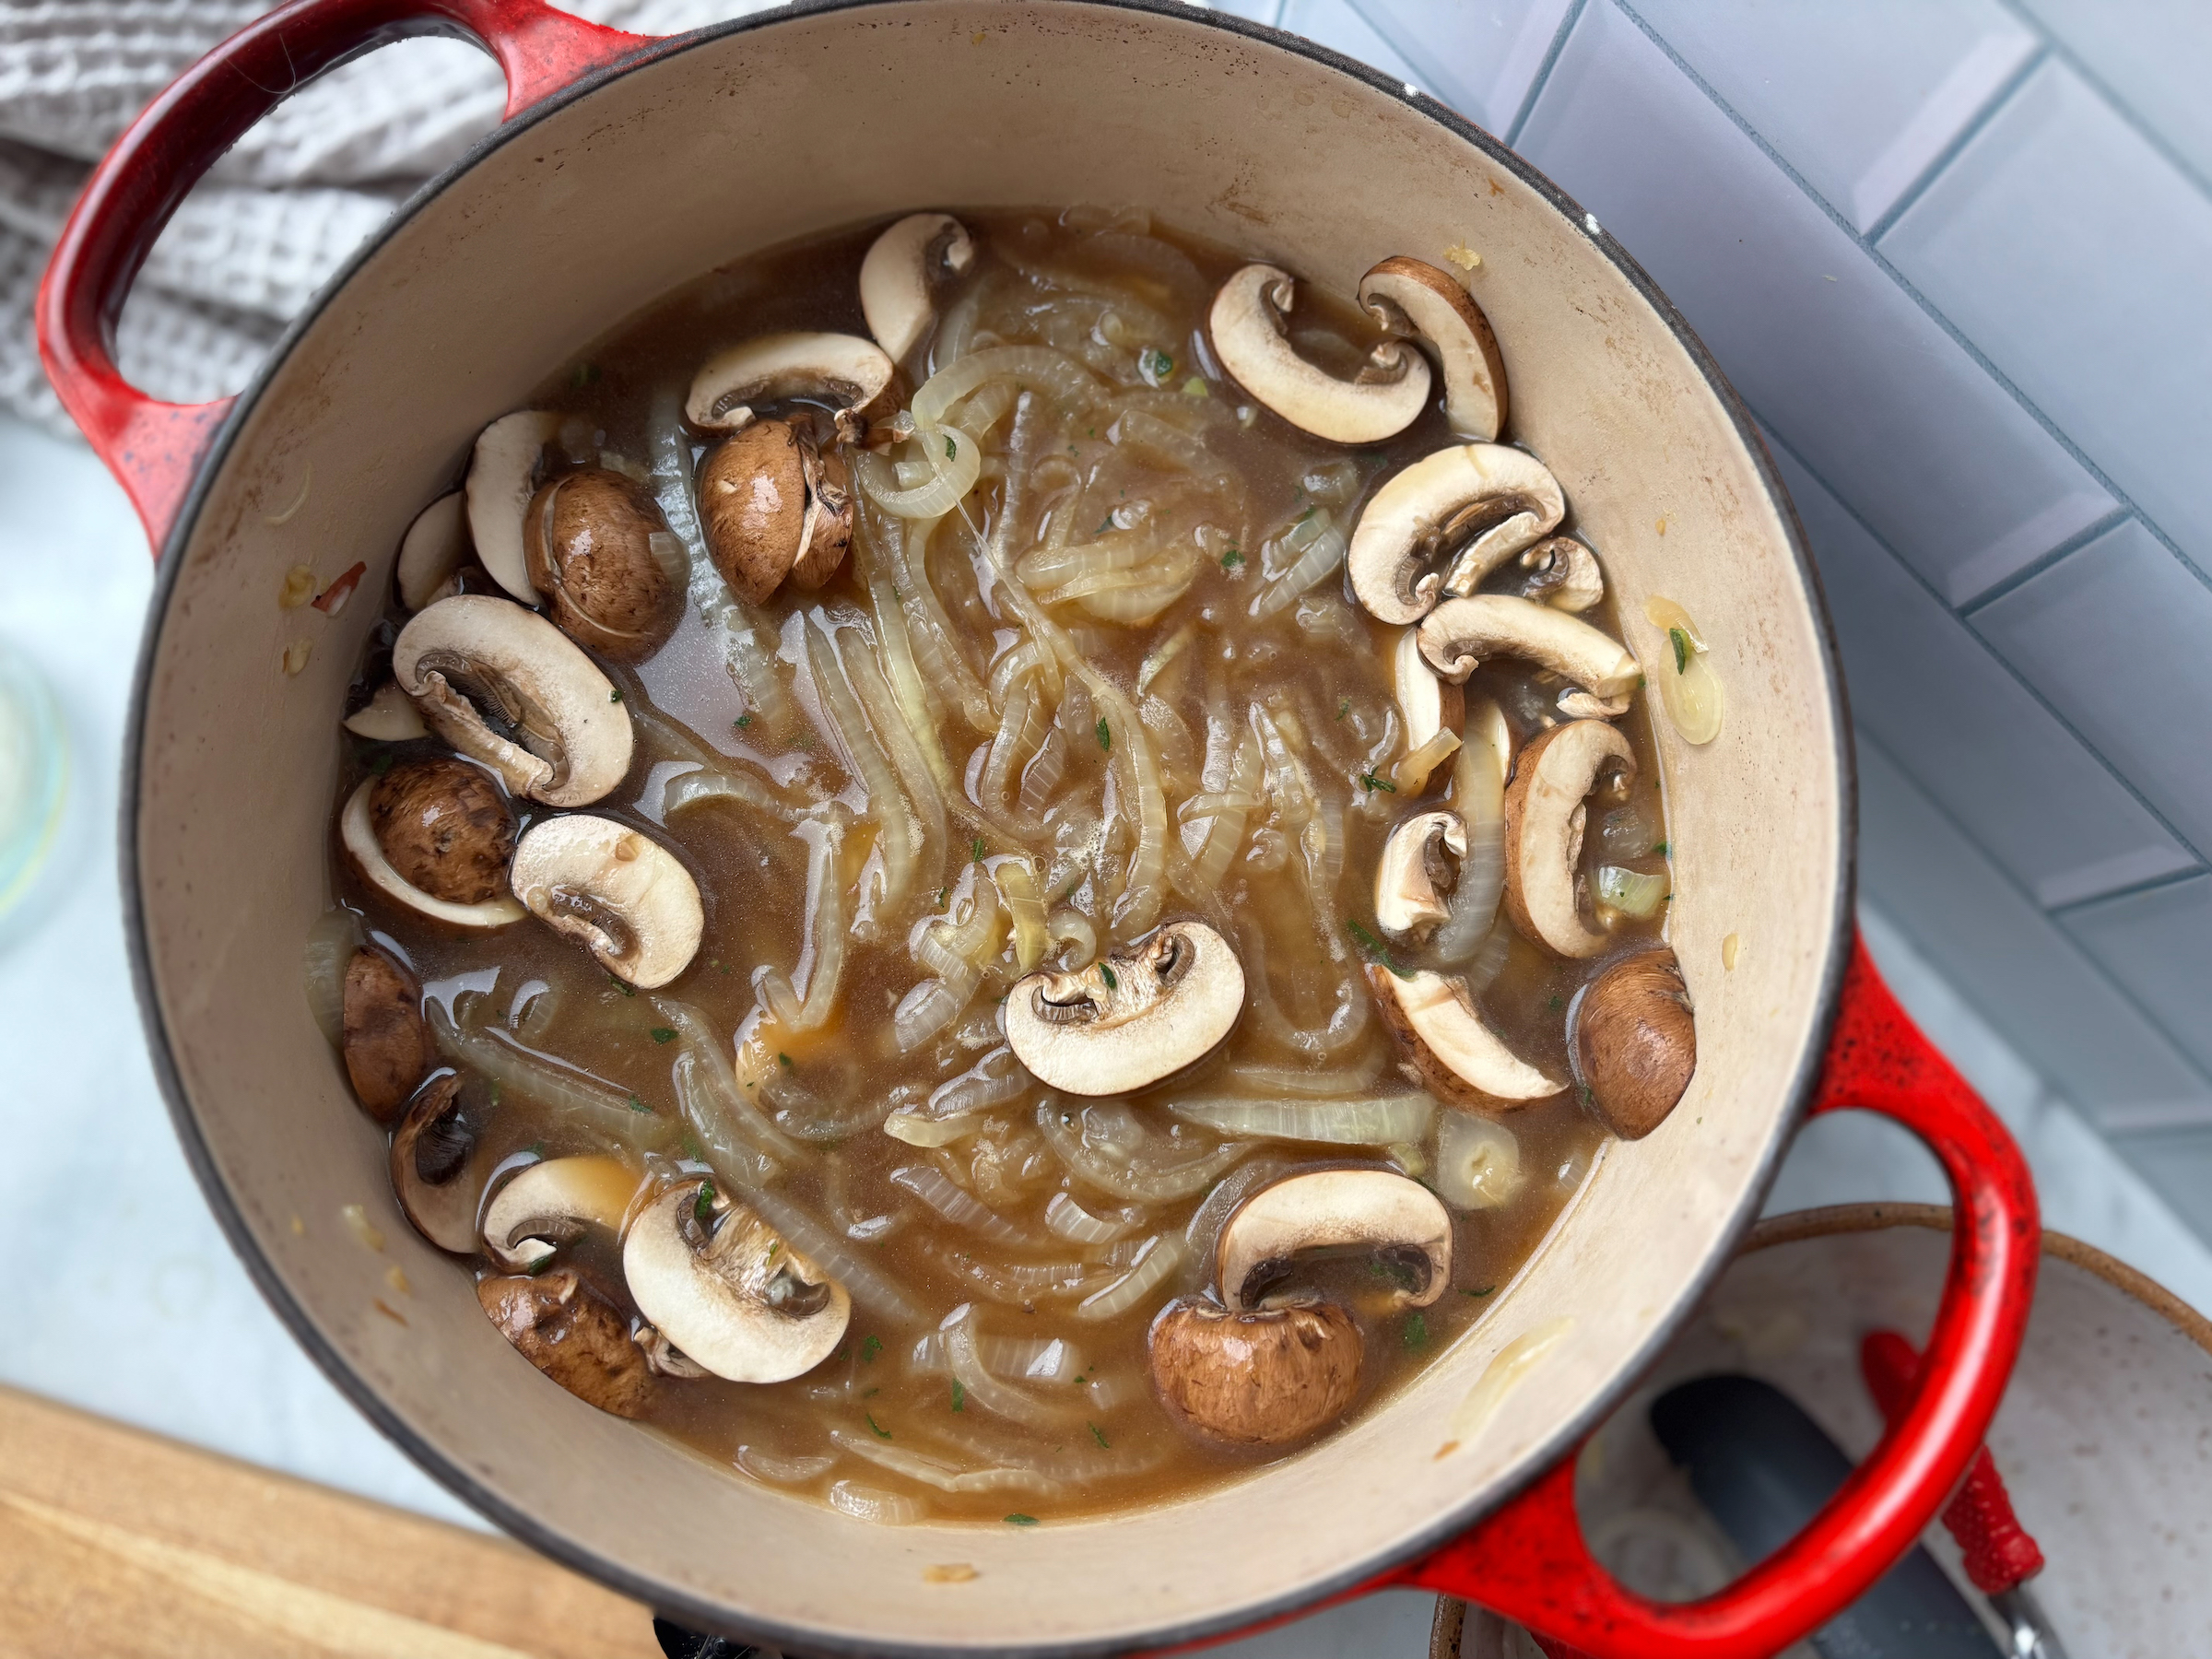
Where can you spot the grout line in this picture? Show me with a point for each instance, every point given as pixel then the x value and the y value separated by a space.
pixel 1412 47
pixel 1542 75
pixel 1973 128
pixel 2096 969
pixel 2139 122
pixel 1958 336
pixel 2148 885
pixel 2065 725
pixel 2043 561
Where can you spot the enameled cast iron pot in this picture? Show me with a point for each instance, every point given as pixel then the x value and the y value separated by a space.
pixel 629 165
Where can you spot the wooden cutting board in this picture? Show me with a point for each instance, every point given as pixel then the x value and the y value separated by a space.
pixel 116 1544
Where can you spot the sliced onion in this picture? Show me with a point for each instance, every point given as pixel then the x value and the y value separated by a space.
pixel 1034 367
pixel 1073 929
pixel 1162 1253
pixel 894 816
pixel 1688 688
pixel 1267 1081
pixel 717 1078
pixel 560 1089
pixel 331 943
pixel 955 461
pixel 936 1189
pixel 917 1128
pixel 1145 1180
pixel 1477 1161
pixel 1076 1461
pixel 1015 1283
pixel 1371 1123
pixel 1027 1359
pixel 1318 547
pixel 926 1011
pixel 1412 772
pixel 894 731
pixel 873 1504
pixel 1064 1215
pixel 777 1470
pixel 964 1359
pixel 994 1080
pixel 941 1472
pixel 693 787
pixel 1632 892
pixel 1478 796
pixel 866 1284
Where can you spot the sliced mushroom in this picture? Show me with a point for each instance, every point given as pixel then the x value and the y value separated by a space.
pixel 502 476
pixel 1135 1016
pixel 574 1335
pixel 1414 865
pixel 1429 705
pixel 841 371
pixel 1398 1221
pixel 903 264
pixel 740 1302
pixel 827 532
pixel 664 1359
pixel 1474 506
pixel 358 839
pixel 388 717
pixel 553 1202
pixel 619 894
pixel 588 540
pixel 1448 1050
pixel 436 1173
pixel 1566 574
pixel 1545 813
pixel 435 546
pixel 503 684
pixel 1634 1040
pixel 1258 1378
pixel 445 827
pixel 771 505
pixel 1458 634
pixel 387 1047
pixel 1410 298
pixel 1246 321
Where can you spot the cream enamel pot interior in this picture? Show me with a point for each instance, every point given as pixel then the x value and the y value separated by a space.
pixel 632 166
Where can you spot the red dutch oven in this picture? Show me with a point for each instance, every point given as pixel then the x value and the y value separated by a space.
pixel 627 165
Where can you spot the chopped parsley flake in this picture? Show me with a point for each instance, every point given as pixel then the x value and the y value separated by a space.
pixel 1660 847
pixel 702 1207
pixel 639 1106
pixel 1369 781
pixel 976 847
pixel 1232 559
pixel 1106 973
pixel 1682 649
pixel 783 1061
pixel 1557 1002
pixel 1416 1333
pixel 662 1034
pixel 882 1433
pixel 1373 946
pixel 960 1395
pixel 1105 524
pixel 1105 735
pixel 622 986
pixel 1098 1434
pixel 869 1348
pixel 585 374
pixel 614 694
pixel 1484 1291
pixel 1021 1520
pixel 742 722
pixel 952 450
pixel 1344 707
pixel 380 763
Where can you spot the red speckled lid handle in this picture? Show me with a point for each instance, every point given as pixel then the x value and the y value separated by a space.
pixel 154 448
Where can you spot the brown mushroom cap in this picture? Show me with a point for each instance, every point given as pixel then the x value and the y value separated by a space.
pixel 1635 1041
pixel 752 507
pixel 1263 1378
pixel 445 827
pixel 574 1335
pixel 588 537
pixel 387 1046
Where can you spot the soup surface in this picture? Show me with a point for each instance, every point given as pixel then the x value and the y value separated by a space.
pixel 1091 680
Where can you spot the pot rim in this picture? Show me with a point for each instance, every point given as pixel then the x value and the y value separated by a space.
pixel 669 1599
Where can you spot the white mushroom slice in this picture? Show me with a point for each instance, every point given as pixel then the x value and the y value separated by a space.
pixel 1412 867
pixel 389 716
pixel 1137 1015
pixel 837 369
pixel 357 835
pixel 1448 1049
pixel 562 735
pixel 1428 704
pixel 1545 816
pixel 619 894
pixel 1505 498
pixel 1395 1218
pixel 742 1302
pixel 1246 321
pixel 435 546
pixel 1460 633
pixel 1567 577
pixel 895 277
pixel 1408 297
pixel 551 1204
pixel 502 476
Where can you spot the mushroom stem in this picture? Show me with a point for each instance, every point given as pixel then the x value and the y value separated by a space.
pixel 1475 504
pixel 1460 633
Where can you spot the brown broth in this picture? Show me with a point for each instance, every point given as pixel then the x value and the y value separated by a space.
pixel 1320 668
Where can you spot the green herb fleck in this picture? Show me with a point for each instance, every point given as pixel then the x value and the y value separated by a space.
pixel 662 1034
pixel 1416 1333
pixel 692 1149
pixel 960 1395
pixel 639 1106
pixel 537 1149
pixel 1105 736
pixel 870 1346
pixel 1098 1434
pixel 976 847
pixel 1344 707
pixel 1660 849
pixel 585 374
pixel 1484 1291
pixel 622 986
pixel 1557 1002
pixel 1682 649
pixel 1369 781
pixel 783 1061
pixel 380 763
pixel 1398 1272
pixel 1105 524
pixel 952 450
pixel 614 694
pixel 944 894
pixel 532 1268
pixel 882 1433
pixel 742 722
pixel 1082 1382
pixel 1373 946
pixel 702 1207
pixel 1232 559
pixel 773 1247
pixel 1021 1520
pixel 1106 973
pixel 1159 363
pixel 1306 515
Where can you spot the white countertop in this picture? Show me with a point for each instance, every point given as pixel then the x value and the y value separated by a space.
pixel 127 1300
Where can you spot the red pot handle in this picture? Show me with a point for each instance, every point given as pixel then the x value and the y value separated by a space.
pixel 1528 1560
pixel 153 448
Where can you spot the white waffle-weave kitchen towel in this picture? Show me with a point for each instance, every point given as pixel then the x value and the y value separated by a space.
pixel 274 218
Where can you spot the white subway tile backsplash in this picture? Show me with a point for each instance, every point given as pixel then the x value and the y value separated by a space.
pixel 2155 55
pixel 2076 256
pixel 2012 961
pixel 1896 415
pixel 1861 98
pixel 1970 733
pixel 2159 946
pixel 1479 56
pixel 2179 1166
pixel 2113 635
pixel 1336 25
